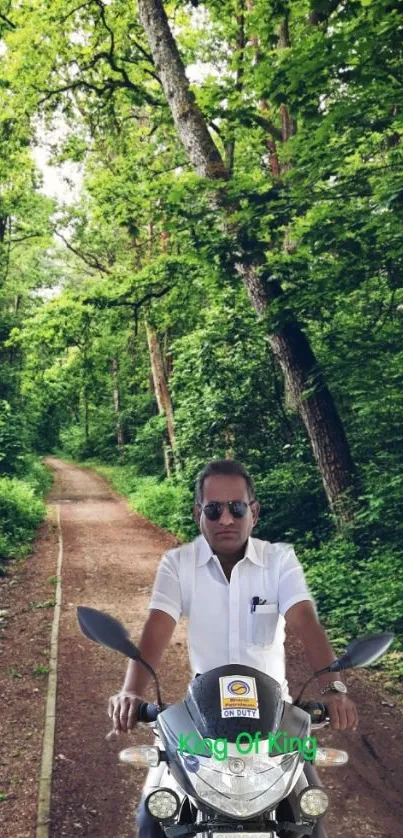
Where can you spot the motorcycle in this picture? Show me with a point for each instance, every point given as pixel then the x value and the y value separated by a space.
pixel 233 757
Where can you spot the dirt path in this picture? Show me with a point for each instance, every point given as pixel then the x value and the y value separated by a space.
pixel 110 558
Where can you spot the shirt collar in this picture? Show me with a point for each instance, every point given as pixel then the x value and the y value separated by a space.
pixel 204 552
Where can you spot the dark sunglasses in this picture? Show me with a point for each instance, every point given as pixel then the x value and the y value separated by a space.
pixel 214 510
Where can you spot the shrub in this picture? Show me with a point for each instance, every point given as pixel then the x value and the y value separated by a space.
pixel 36 474
pixel 146 452
pixel 13 444
pixel 168 503
pixel 73 442
pixel 356 595
pixel 20 514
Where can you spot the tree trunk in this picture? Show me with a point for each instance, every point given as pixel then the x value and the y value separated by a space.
pixel 86 419
pixel 239 52
pixel 120 437
pixel 189 120
pixel 289 344
pixel 86 386
pixel 162 395
pixel 308 391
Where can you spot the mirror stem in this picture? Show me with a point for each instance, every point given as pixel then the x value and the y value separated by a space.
pixel 315 675
pixel 151 671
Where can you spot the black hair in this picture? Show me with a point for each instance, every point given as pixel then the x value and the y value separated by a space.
pixel 231 467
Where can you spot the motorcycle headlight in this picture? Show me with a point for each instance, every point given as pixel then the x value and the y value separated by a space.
pixel 245 786
pixel 163 804
pixel 313 802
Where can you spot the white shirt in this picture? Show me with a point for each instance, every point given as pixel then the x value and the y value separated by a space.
pixel 223 628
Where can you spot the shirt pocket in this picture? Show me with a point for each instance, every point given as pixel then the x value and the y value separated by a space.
pixel 262 625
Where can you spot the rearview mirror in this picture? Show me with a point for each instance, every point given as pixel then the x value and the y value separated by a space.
pixel 362 651
pixel 104 629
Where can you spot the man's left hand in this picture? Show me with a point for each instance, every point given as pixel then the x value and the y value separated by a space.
pixel 342 712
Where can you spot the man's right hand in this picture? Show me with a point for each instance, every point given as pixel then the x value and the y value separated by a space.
pixel 122 709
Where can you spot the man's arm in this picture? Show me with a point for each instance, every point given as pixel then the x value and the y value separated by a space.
pixel 302 618
pixel 155 638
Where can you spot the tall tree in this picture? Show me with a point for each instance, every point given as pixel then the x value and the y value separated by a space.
pixel 290 345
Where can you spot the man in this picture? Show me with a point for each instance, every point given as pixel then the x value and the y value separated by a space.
pixel 217 582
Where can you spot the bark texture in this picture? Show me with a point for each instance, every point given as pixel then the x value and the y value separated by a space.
pixel 319 414
pixel 189 121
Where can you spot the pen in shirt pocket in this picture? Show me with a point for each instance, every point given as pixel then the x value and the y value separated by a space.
pixel 256 600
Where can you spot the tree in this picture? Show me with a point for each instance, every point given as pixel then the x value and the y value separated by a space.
pixel 289 344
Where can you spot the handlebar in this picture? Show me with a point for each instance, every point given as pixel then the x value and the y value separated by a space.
pixel 147 712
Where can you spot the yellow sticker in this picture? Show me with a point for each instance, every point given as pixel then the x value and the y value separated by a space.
pixel 238 696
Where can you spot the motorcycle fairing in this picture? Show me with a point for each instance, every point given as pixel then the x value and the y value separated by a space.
pixel 200 714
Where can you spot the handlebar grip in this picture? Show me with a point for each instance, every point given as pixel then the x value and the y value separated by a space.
pixel 316 709
pixel 147 712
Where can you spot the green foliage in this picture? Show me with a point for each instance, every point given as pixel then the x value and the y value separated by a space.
pixel 73 442
pixel 13 441
pixel 290 496
pixel 40 670
pixel 167 503
pixel 13 672
pixel 37 475
pixel 353 595
pixel 20 514
pixel 145 453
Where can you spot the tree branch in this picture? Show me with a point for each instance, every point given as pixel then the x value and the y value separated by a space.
pixel 107 27
pixel 141 49
pixel 73 11
pixel 250 118
pixel 109 86
pixel 28 236
pixel 8 22
pixel 103 302
pixel 6 223
pixel 91 261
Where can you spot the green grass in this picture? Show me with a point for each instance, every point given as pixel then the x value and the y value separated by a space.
pixel 40 670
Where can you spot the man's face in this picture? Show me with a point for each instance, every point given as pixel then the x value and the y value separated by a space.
pixel 228 535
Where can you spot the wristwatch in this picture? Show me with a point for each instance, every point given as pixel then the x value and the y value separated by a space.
pixel 334 687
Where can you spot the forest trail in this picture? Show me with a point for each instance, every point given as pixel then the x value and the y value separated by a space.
pixel 110 555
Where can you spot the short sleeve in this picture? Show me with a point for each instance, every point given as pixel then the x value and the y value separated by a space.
pixel 166 594
pixel 292 586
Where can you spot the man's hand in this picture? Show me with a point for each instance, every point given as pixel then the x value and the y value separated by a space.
pixel 342 711
pixel 122 709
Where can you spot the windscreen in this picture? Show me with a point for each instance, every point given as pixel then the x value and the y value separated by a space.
pixel 234 699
